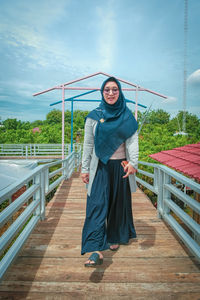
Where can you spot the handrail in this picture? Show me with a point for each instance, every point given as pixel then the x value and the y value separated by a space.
pixel 165 182
pixel 35 150
pixel 39 183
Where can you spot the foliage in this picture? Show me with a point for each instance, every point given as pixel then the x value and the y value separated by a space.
pixel 192 123
pixel 158 117
pixel 156 138
pixel 155 128
pixel 11 124
pixel 156 132
pixel 54 117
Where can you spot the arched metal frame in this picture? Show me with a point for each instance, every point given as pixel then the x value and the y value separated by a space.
pixel 65 86
pixel 74 99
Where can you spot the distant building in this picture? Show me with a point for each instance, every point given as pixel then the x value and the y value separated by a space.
pixel 36 129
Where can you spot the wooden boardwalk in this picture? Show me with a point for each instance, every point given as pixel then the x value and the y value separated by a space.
pixel 153 266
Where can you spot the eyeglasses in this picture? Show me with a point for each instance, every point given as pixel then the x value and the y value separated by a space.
pixel 114 91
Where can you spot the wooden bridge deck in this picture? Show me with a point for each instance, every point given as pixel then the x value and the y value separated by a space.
pixel 153 266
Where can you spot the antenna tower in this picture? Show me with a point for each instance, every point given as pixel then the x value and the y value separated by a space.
pixel 185 63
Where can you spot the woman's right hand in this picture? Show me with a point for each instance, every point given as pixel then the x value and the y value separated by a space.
pixel 85 177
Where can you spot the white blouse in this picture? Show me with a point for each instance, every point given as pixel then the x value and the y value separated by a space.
pixel 119 153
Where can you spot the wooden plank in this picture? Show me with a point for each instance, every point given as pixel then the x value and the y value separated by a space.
pixel 136 270
pixel 127 288
pixel 103 295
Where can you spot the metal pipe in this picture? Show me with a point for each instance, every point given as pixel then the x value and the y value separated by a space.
pixel 67 83
pixel 72 129
pixel 92 100
pixel 75 88
pixel 137 86
pixel 71 98
pixel 136 100
pixel 157 94
pixel 95 74
pixel 63 123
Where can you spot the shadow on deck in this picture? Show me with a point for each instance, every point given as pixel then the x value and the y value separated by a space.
pixel 156 265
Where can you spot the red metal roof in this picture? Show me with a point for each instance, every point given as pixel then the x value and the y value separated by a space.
pixel 185 159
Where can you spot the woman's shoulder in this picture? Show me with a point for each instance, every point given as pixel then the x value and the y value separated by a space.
pixel 91 121
pixel 95 114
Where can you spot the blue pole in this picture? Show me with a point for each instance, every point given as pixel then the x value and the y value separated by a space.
pixel 70 99
pixel 72 117
pixel 89 100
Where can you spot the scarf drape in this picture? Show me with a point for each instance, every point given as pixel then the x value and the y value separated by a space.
pixel 116 124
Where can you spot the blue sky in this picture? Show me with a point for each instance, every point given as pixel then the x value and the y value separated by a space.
pixel 44 43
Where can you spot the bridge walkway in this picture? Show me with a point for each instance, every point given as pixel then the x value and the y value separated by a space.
pixel 156 265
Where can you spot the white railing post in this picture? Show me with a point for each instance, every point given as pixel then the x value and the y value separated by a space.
pixel 74 161
pixel 26 151
pixel 166 193
pixel 68 167
pixel 46 180
pixel 42 196
pixel 156 178
pixel 64 165
pixel 79 159
pixel 37 180
pixel 160 204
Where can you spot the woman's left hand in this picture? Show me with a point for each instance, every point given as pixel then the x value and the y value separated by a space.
pixel 129 170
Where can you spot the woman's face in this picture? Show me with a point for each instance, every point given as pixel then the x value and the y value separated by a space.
pixel 111 92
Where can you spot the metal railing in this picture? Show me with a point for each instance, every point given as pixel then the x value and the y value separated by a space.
pixel 170 188
pixel 24 213
pixel 31 150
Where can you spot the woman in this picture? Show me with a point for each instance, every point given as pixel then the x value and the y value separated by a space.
pixel 110 138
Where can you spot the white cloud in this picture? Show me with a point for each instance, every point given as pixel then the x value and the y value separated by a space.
pixel 33 42
pixel 106 41
pixel 30 35
pixel 194 78
pixel 16 85
pixel 18 92
pixel 39 15
pixel 23 115
pixel 170 99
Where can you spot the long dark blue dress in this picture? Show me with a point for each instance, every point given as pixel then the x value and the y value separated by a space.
pixel 109 218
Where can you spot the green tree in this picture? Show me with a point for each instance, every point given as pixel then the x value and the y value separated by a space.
pixel 156 135
pixel 158 117
pixel 54 117
pixel 10 123
pixel 24 125
pixel 68 117
pixel 192 123
pixel 37 123
pixel 79 119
